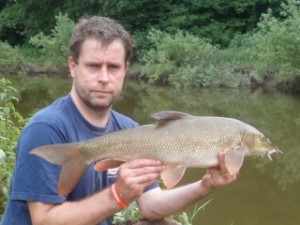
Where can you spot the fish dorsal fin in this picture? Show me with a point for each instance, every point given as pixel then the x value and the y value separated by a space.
pixel 234 158
pixel 172 175
pixel 161 118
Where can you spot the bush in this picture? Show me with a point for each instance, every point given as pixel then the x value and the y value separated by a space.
pixel 11 123
pixel 54 48
pixel 11 60
pixel 276 45
pixel 185 60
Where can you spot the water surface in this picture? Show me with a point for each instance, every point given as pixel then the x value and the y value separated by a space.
pixel 266 192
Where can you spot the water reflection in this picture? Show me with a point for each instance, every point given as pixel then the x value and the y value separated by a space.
pixel 267 192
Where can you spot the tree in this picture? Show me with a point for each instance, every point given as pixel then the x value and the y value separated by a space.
pixel 216 20
pixel 23 19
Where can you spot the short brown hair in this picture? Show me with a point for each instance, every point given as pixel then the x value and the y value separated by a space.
pixel 103 29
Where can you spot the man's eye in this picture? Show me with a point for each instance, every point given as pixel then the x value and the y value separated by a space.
pixel 114 67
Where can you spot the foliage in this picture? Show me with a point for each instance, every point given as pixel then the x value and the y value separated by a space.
pixel 54 48
pixel 133 213
pixel 11 27
pixel 21 20
pixel 217 20
pixel 185 60
pixel 11 123
pixel 186 218
pixel 128 214
pixel 275 46
pixel 11 61
pixel 183 43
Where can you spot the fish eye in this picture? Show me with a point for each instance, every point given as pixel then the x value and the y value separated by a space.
pixel 262 137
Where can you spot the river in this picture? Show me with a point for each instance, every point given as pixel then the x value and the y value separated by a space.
pixel 266 192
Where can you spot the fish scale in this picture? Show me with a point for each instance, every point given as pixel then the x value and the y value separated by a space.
pixel 165 142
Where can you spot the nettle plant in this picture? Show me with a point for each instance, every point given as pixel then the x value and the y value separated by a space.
pixel 11 123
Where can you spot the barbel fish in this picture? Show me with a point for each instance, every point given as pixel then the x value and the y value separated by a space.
pixel 177 139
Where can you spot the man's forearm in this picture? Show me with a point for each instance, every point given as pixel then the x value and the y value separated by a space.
pixel 161 203
pixel 91 210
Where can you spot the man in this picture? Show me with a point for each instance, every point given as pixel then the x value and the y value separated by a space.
pixel 100 51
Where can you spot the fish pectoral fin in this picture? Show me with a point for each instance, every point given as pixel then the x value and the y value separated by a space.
pixel 106 164
pixel 162 118
pixel 172 175
pixel 234 158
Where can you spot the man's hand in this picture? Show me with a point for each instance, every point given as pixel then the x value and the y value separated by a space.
pixel 218 176
pixel 134 176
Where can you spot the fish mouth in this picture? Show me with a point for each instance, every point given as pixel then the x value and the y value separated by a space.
pixel 272 151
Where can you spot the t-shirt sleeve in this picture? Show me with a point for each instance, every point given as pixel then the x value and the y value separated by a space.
pixel 35 179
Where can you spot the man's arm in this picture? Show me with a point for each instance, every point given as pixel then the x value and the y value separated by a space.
pixel 88 211
pixel 134 176
pixel 157 204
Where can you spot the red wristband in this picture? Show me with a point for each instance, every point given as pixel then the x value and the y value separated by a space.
pixel 117 196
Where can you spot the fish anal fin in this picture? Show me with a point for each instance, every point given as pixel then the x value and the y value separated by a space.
pixel 161 118
pixel 234 158
pixel 106 164
pixel 172 175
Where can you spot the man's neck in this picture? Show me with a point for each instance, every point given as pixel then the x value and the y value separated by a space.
pixel 97 118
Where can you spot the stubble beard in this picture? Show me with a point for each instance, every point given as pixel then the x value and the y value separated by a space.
pixel 97 105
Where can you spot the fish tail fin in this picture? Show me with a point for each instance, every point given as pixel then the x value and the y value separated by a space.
pixel 68 156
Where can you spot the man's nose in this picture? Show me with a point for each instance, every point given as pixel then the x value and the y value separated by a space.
pixel 103 75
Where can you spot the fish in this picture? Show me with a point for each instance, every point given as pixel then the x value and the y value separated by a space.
pixel 179 140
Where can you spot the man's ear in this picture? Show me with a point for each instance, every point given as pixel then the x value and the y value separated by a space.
pixel 72 66
pixel 126 67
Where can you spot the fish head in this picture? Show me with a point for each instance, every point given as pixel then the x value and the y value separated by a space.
pixel 255 143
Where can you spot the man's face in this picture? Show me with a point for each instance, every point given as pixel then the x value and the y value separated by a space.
pixel 99 74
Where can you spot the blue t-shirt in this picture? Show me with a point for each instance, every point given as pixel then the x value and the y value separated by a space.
pixel 35 179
